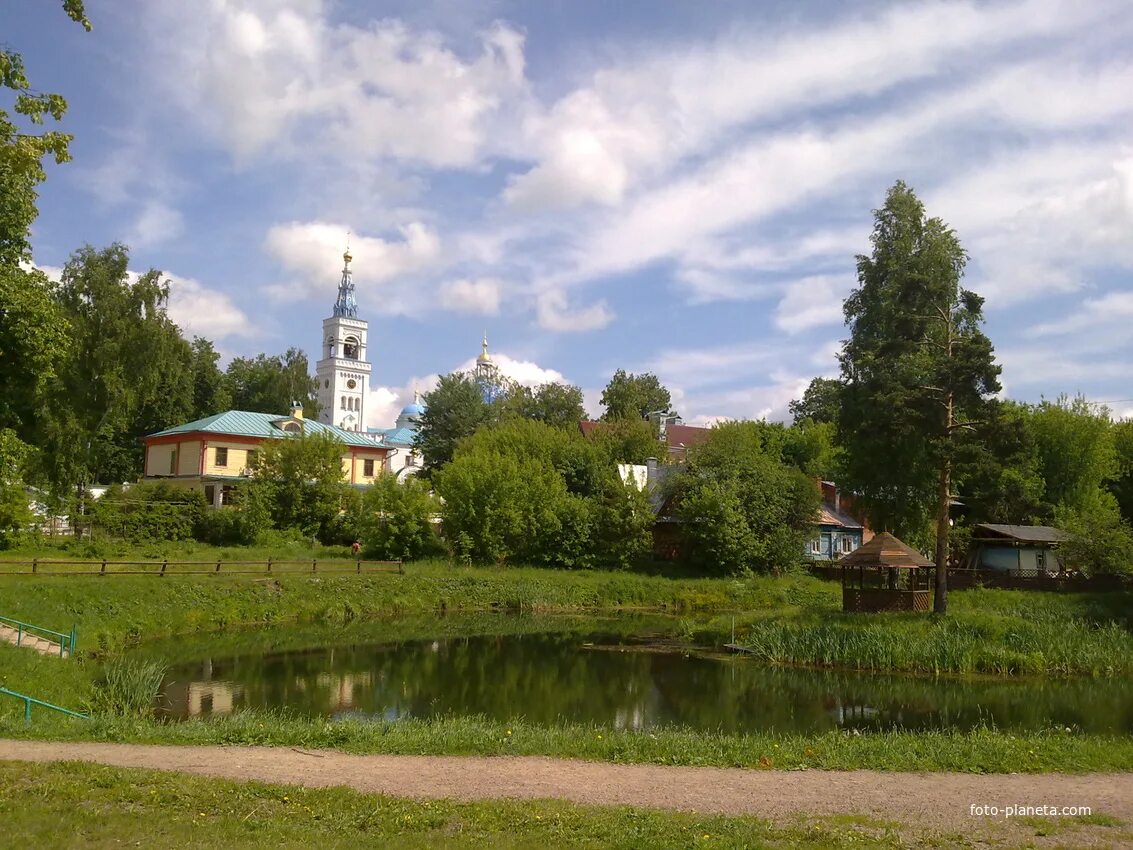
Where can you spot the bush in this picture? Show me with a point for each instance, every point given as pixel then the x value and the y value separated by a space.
pixel 149 511
pixel 394 520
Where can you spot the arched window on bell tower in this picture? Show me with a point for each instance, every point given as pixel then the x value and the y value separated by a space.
pixel 350 348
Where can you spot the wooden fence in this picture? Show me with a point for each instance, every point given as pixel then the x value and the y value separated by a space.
pixel 963 579
pixel 161 569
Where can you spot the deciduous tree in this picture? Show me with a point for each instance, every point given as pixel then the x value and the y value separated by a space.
pixel 629 396
pixel 744 509
pixel 129 371
pixel 300 479
pixel 270 383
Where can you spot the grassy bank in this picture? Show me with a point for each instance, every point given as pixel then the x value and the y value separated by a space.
pixel 115 612
pixel 992 632
pixel 976 751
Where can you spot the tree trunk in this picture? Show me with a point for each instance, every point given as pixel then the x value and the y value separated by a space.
pixel 940 599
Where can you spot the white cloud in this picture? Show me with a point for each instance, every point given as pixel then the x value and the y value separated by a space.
pixel 157 223
pixel 472 296
pixel 200 310
pixel 554 314
pixel 310 251
pixel 283 79
pixel 812 302
pixel 1112 311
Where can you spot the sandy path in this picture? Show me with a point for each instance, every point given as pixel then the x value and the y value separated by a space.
pixel 939 800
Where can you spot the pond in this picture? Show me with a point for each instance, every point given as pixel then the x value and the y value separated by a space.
pixel 619 675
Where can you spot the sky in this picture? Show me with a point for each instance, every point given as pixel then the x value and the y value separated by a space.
pixel 672 187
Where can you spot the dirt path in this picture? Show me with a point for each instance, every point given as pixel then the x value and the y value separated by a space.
pixel 936 800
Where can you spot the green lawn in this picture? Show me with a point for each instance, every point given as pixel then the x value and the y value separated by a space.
pixel 74 805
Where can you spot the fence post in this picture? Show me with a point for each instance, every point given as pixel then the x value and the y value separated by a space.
pixel 74 634
pixel 19 635
pixel 313 562
pixel 359 568
pixel 400 567
pixel 102 572
pixel 27 712
pixel 34 565
pixel 164 564
pixel 269 564
pixel 218 565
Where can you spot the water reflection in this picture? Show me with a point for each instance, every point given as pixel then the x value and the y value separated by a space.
pixel 606 679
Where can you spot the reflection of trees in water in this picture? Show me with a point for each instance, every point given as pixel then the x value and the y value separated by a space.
pixel 547 677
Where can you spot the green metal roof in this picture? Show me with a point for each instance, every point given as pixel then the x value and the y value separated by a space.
pixel 245 424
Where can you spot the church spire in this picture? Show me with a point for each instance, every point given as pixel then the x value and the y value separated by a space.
pixel 345 305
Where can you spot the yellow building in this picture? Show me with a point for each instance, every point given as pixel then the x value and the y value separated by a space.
pixel 213 454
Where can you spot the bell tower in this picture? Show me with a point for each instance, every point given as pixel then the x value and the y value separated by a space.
pixel 344 372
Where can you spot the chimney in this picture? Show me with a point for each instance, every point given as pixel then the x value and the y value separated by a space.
pixel 650 469
pixel 296 410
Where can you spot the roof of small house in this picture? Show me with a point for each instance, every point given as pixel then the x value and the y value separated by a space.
pixel 1019 533
pixel 829 516
pixel 244 423
pixel 678 436
pixel 885 550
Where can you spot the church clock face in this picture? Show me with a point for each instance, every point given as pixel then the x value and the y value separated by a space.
pixel 351 384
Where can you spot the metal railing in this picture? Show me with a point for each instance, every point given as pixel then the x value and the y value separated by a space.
pixel 65 640
pixel 103 567
pixel 30 701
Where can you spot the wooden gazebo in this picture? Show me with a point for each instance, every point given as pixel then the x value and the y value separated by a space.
pixel 886 575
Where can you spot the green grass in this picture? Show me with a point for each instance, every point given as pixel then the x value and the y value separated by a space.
pixel 993 632
pixel 978 751
pixel 114 612
pixel 69 805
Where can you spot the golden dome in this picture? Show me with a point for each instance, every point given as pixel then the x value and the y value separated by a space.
pixel 346 256
pixel 484 356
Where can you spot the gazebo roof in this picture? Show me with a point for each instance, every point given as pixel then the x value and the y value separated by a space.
pixel 885 550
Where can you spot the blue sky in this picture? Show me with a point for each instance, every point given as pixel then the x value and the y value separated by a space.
pixel 675 187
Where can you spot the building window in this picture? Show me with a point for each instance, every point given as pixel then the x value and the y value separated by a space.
pixel 368 468
pixel 350 348
pixel 344 402
pixel 210 494
pixel 816 547
pixel 173 462
pixel 222 456
pixel 847 543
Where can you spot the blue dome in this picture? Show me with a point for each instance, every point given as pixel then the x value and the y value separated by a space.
pixel 414 409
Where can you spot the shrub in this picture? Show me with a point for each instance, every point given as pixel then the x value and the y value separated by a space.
pixel 149 511
pixel 394 519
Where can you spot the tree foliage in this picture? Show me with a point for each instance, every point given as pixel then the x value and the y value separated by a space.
pixel 271 383
pixel 395 519
pixel 918 373
pixel 129 371
pixel 821 402
pixel 299 479
pixel 743 508
pixel 630 396
pixel 626 441
pixel 553 403
pixel 15 515
pixel 453 411
pixel 527 493
pixel 211 392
